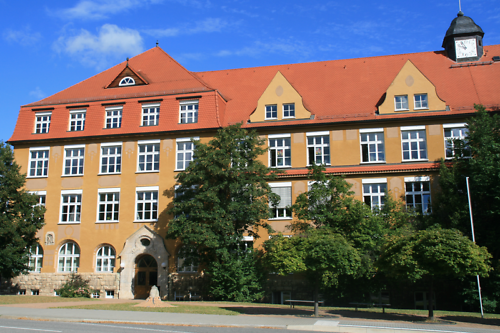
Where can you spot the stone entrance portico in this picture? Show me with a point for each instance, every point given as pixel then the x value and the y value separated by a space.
pixel 143 241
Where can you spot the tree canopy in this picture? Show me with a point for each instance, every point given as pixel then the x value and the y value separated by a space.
pixel 20 217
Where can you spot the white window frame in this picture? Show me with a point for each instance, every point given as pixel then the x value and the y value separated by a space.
pixel 421 192
pixel 77 120
pixel 154 153
pixel 450 145
pixel 419 140
pixel 374 144
pixel 315 146
pixel 150 114
pixel 127 81
pixel 107 259
pixel 110 294
pixel 283 146
pixel 114 202
pixel 42 122
pixel 113 117
pixel 188 111
pixel 44 167
pixel 420 102
pixel 152 202
pixel 379 183
pixel 72 158
pixel 401 104
pixel 74 258
pixel 36 259
pixel 76 205
pixel 42 195
pixel 289 111
pixel 180 154
pixel 185 269
pixel 271 111
pixel 287 212
pixel 116 157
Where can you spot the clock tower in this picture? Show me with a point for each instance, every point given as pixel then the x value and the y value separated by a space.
pixel 463 41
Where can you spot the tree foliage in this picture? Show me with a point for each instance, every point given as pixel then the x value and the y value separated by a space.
pixel 20 218
pixel 223 194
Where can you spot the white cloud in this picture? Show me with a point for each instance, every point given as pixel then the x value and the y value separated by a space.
pixel 99 9
pixel 111 43
pixel 37 93
pixel 206 26
pixel 24 37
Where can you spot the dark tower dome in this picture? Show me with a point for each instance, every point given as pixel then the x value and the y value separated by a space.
pixel 463 41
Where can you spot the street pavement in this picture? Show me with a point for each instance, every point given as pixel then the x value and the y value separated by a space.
pixel 41 311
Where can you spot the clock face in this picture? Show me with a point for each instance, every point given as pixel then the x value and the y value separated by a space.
pixel 466 48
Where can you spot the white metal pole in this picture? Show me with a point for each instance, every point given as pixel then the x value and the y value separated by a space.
pixel 474 240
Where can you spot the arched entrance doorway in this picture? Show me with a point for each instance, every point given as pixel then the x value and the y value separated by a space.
pixel 146 275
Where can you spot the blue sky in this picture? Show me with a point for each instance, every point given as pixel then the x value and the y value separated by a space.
pixel 48 46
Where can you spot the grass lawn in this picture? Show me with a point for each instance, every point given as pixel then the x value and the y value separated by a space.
pixel 179 308
pixel 23 299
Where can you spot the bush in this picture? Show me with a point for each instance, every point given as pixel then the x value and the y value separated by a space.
pixel 76 286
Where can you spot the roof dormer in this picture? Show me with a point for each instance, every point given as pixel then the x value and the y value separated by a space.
pixel 464 39
pixel 280 101
pixel 411 91
pixel 127 77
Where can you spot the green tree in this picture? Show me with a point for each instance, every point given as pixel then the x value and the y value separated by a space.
pixel 322 255
pixel 20 218
pixel 431 253
pixel 223 194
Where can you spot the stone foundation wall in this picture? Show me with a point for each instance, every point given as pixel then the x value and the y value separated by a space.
pixel 46 283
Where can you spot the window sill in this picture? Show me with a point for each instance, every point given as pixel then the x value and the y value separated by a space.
pixel 145 221
pixel 148 171
pixel 281 167
pixel 400 110
pixel 179 170
pixel 374 162
pixel 148 125
pixel 72 175
pixel 191 122
pixel 415 160
pixel 41 133
pixel 28 177
pixel 62 223
pixel 105 222
pixel 270 118
pixel 105 128
pixel 75 131
pixel 289 117
pixel 420 109
pixel 280 218
pixel 325 164
pixel 109 174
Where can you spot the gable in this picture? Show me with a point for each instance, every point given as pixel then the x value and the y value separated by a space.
pixel 412 84
pixel 282 94
pixel 127 72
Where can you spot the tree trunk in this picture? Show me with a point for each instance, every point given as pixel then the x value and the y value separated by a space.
pixel 316 309
pixel 431 300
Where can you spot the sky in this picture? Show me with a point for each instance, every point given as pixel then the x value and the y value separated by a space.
pixel 48 46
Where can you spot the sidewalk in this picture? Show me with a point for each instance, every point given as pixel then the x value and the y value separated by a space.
pixel 41 311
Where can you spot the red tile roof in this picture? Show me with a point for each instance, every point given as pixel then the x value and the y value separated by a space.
pixel 334 91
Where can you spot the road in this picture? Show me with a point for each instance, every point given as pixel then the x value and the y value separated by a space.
pixel 33 326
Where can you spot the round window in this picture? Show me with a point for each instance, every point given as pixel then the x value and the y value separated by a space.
pixel 145 242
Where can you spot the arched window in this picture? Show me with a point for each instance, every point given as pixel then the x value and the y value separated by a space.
pixel 105 259
pixel 127 81
pixel 36 258
pixel 69 257
pixel 186 262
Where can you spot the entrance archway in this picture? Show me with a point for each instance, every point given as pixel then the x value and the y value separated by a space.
pixel 146 275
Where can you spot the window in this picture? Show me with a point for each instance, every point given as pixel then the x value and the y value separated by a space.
pixel 71 206
pixel 188 112
pixel 289 110
pixel 105 259
pixel 280 153
pixel 111 157
pixel 150 114
pixel 147 203
pixel 110 294
pixel 272 111
pixel 39 162
pixel 374 192
pixel 401 102
pixel 42 122
pixel 69 258
pixel 36 258
pixel 35 292
pixel 186 263
pixel 455 132
pixel 77 120
pixel 282 210
pixel 414 143
pixel 185 153
pixel 372 145
pixel 127 81
pixel 113 117
pixel 318 148
pixel 109 205
pixel 148 158
pixel 73 160
pixel 421 101
pixel 41 197
pixel 418 194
